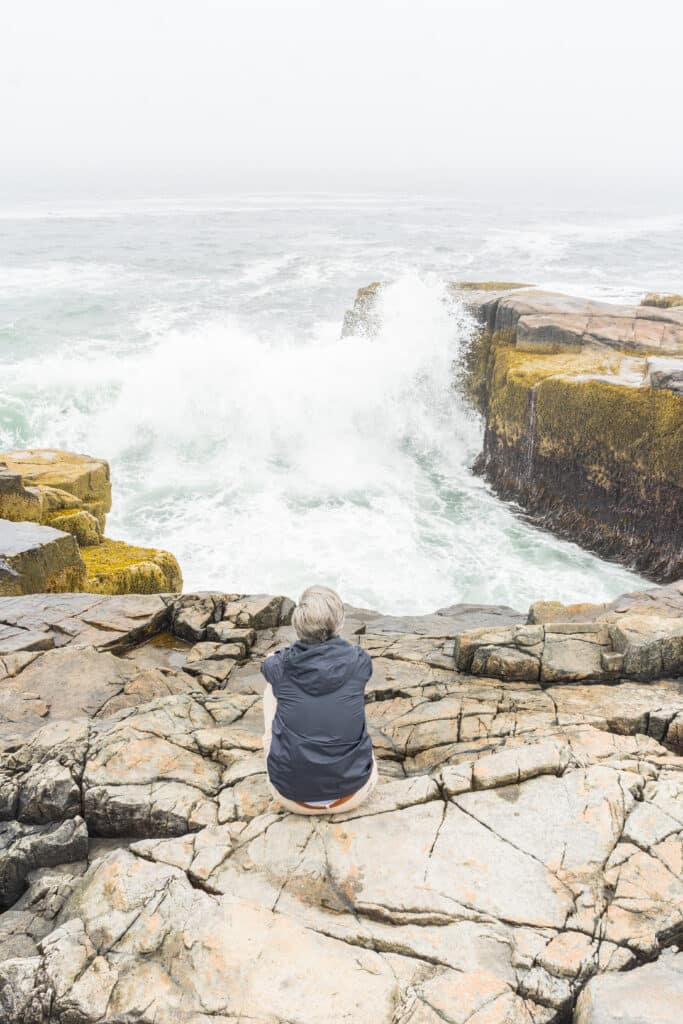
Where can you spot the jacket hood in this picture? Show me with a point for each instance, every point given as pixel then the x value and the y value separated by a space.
pixel 322 668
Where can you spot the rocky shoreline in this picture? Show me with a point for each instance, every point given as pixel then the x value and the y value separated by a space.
pixel 583 410
pixel 521 861
pixel 53 509
pixel 583 403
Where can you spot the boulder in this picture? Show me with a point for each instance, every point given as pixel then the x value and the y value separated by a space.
pixel 18 503
pixel 573 655
pixel 519 763
pixel 114 567
pixel 80 476
pixel 662 301
pixel 193 613
pixel 639 636
pixel 505 663
pixel 260 611
pixel 71 493
pixel 651 994
pixel 584 419
pixel 81 523
pixel 38 559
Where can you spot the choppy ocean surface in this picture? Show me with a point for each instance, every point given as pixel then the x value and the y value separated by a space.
pixel 195 344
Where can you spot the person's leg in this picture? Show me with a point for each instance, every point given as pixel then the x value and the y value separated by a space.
pixel 292 805
pixel 269 709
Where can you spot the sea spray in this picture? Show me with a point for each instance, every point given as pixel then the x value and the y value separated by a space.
pixel 267 459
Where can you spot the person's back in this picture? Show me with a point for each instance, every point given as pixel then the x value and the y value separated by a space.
pixel 319 752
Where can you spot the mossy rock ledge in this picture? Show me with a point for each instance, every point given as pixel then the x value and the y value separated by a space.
pixel 583 410
pixel 53 507
pixel 114 567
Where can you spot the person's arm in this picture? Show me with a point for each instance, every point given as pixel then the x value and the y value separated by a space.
pixel 365 667
pixel 271 668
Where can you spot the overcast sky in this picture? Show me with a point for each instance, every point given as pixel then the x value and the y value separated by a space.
pixel 327 94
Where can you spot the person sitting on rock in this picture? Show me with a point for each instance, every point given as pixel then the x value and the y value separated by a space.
pixel 318 750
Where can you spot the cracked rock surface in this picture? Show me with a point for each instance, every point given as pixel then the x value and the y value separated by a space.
pixel 521 861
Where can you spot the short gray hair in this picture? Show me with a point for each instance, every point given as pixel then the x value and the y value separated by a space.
pixel 319 615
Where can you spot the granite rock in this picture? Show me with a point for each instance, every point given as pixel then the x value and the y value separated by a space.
pixel 521 851
pixel 38 559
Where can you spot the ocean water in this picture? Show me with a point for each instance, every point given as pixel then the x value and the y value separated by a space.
pixel 195 344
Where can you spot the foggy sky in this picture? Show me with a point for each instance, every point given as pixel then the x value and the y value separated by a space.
pixel 327 94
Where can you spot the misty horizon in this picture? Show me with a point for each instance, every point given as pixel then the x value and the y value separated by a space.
pixel 466 97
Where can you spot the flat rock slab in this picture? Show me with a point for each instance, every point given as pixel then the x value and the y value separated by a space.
pixel 446 622
pixel 35 559
pixel 68 683
pixel 652 994
pixel 80 475
pixel 82 620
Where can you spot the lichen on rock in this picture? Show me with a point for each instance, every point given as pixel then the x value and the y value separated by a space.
pixel 38 559
pixel 77 521
pixel 80 476
pixel 583 404
pixel 584 421
pixel 71 494
pixel 114 567
pixel 661 300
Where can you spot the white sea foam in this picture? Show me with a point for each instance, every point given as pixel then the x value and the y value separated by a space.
pixel 195 343
pixel 55 276
pixel 268 460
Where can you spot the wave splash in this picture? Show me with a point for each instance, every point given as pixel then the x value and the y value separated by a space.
pixel 268 462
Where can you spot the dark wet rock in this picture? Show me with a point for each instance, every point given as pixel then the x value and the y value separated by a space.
pixel 584 412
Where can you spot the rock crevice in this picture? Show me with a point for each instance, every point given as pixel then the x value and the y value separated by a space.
pixel 522 850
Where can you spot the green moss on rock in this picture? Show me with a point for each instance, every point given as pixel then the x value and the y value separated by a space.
pixel 607 426
pixel 115 567
pixel 82 524
pixel 603 425
pixel 662 301
pixel 668 436
pixel 515 374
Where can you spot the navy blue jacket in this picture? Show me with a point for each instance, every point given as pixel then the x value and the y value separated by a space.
pixel 321 749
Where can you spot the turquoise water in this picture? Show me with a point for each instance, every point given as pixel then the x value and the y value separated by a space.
pixel 195 344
